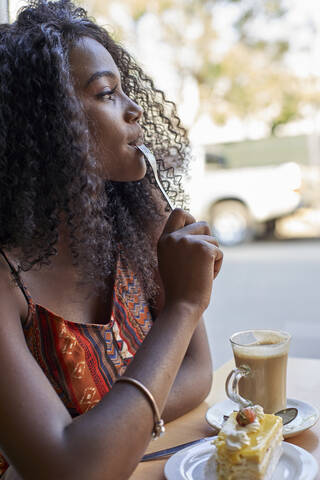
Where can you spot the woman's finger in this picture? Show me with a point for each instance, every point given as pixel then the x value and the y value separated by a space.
pixel 177 220
pixel 212 245
pixel 193 235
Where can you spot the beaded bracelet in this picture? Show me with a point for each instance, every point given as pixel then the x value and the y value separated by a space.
pixel 159 427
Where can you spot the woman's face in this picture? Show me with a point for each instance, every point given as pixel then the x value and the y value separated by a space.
pixel 113 118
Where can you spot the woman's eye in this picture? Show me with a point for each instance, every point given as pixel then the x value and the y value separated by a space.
pixel 107 93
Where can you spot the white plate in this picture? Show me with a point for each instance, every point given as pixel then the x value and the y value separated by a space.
pixel 306 418
pixel 192 464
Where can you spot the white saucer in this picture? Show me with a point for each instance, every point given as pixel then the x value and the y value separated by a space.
pixel 192 464
pixel 306 418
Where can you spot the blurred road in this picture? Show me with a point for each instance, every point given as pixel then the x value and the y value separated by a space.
pixel 273 284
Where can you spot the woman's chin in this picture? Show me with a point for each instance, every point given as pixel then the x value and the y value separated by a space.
pixel 130 175
pixel 135 178
pixel 136 170
pixel 125 168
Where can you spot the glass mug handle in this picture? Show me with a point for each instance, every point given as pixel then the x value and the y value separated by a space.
pixel 232 384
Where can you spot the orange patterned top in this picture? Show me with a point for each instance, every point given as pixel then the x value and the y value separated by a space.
pixel 82 361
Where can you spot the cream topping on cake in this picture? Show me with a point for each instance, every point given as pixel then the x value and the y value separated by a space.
pixel 236 436
pixel 248 447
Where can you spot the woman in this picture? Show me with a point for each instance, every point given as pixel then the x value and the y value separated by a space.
pixel 106 282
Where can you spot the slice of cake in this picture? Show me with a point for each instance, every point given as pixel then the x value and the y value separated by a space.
pixel 249 445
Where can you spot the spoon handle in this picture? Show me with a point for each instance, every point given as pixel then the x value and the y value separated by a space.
pixel 153 164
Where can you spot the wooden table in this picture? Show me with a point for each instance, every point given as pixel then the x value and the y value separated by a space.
pixel 303 384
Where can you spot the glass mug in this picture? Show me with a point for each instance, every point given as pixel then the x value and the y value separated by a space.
pixel 260 376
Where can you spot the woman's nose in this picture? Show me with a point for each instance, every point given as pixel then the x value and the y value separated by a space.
pixel 133 112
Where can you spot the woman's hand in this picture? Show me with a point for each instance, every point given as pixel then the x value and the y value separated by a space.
pixel 189 259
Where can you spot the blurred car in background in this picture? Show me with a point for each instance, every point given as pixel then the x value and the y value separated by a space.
pixel 243 203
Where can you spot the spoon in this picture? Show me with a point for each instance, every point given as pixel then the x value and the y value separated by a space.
pixel 153 164
pixel 287 415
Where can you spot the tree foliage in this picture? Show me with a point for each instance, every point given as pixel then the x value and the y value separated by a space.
pixel 248 78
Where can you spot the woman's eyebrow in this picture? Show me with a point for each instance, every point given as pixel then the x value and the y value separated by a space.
pixel 104 73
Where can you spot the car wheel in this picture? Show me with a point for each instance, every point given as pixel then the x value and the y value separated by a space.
pixel 231 222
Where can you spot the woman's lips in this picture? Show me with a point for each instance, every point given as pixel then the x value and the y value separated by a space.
pixel 138 141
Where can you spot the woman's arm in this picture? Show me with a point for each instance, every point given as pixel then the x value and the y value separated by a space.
pixel 11 474
pixel 194 379
pixel 37 433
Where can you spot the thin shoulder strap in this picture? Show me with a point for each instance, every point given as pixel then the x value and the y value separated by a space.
pixel 16 276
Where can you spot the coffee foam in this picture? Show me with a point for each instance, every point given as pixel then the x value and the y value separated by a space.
pixel 268 344
pixel 262 351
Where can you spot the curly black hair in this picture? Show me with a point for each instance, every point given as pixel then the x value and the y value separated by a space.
pixel 46 157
